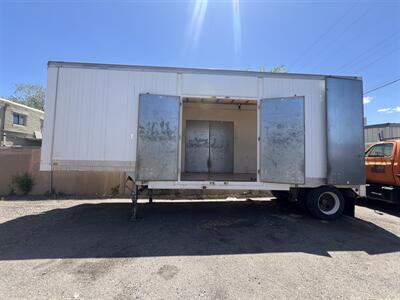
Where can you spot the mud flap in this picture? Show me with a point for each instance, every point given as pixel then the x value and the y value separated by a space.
pixel 349 206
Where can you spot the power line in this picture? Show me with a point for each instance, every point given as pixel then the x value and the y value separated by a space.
pixel 340 36
pixel 350 40
pixel 382 86
pixel 377 84
pixel 368 53
pixel 368 65
pixel 333 25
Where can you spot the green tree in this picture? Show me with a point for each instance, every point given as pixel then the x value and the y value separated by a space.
pixel 32 95
pixel 278 69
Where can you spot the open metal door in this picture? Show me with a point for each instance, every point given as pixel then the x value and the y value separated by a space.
pixel 282 140
pixel 158 137
pixel 345 131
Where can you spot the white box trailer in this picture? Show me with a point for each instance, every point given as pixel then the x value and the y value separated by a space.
pixel 299 135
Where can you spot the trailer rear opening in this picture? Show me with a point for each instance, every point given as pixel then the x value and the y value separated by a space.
pixel 300 135
pixel 219 139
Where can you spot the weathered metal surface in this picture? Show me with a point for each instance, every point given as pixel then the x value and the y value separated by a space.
pixel 313 92
pixel 158 138
pixel 221 147
pixel 345 131
pixel 282 140
pixel 209 147
pixel 197 146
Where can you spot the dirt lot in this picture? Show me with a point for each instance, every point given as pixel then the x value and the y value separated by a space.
pixel 76 249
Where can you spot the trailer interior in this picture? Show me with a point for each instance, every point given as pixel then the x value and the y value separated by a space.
pixel 219 139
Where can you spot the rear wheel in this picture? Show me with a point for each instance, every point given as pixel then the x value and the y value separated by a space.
pixel 326 203
pixel 281 195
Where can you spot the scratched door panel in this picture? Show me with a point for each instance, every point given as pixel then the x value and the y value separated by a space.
pixel 221 147
pixel 158 137
pixel 282 144
pixel 197 146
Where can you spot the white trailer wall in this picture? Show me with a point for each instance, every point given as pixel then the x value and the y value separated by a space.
pixel 96 117
pixel 96 111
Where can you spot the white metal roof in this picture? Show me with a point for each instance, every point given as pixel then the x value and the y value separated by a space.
pixel 189 70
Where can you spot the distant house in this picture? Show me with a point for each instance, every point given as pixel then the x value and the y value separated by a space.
pixel 377 132
pixel 20 125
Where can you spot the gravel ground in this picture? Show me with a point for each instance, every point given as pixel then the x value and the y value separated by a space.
pixel 87 249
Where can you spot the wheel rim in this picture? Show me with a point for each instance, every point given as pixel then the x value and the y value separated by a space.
pixel 328 203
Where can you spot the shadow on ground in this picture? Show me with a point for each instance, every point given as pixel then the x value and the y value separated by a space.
pixel 189 228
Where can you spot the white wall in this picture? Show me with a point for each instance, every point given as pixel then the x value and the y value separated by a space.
pixel 96 115
pixel 219 85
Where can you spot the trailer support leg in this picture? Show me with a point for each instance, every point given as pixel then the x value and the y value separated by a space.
pixel 135 196
pixel 150 196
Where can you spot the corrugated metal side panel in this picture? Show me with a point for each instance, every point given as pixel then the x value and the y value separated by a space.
pixel 395 132
pixel 219 85
pixel 371 135
pixel 313 91
pixel 96 122
pixel 45 156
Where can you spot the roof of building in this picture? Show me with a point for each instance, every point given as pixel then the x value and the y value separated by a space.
pixel 20 105
pixel 383 125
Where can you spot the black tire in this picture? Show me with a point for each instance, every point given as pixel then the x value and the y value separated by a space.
pixel 325 203
pixel 281 195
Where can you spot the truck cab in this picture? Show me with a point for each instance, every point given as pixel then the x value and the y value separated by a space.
pixel 382 169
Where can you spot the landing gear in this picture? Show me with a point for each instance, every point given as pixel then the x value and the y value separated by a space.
pixel 135 192
pixel 134 198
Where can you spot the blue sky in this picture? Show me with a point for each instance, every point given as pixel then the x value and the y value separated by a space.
pixel 329 37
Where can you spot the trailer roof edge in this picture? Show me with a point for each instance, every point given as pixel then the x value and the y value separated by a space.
pixel 189 70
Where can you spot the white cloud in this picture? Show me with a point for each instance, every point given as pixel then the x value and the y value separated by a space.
pixel 367 99
pixel 390 110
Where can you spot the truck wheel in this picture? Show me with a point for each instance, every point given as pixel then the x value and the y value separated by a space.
pixel 280 195
pixel 325 203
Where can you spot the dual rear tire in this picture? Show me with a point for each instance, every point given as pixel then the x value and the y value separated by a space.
pixel 325 203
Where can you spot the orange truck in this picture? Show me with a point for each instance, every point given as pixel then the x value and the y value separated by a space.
pixel 382 168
